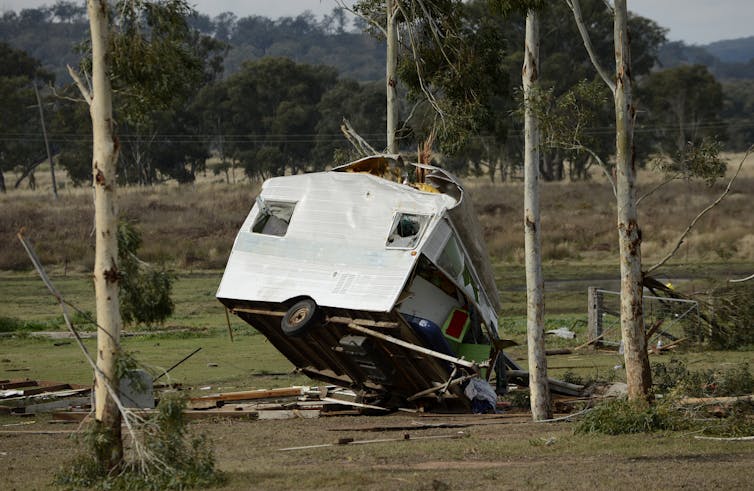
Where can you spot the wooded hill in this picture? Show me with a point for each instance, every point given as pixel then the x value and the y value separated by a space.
pixel 331 40
pixel 267 96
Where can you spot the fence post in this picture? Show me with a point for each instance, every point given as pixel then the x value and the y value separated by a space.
pixel 594 329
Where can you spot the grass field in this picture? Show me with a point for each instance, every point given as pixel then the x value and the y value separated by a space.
pixel 191 229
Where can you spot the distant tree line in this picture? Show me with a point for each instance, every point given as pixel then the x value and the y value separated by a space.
pixel 264 97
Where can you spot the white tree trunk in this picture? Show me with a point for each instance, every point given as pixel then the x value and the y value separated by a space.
pixel 106 275
pixel 538 385
pixel 391 78
pixel 638 374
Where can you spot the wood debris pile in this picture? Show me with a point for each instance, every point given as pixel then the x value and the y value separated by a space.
pixel 32 396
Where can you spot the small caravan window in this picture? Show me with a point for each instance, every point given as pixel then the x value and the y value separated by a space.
pixel 273 217
pixel 406 230
pixel 451 259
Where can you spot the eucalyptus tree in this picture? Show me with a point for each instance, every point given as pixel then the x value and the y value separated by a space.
pixel 268 113
pixel 620 83
pixel 19 74
pixel 106 277
pixel 129 49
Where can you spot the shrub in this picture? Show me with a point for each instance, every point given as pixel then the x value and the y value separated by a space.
pixel 145 291
pixel 176 460
pixel 620 416
pixel 730 314
pixel 13 324
pixel 676 377
pixel 739 422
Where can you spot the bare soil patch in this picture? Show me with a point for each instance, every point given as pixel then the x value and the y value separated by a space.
pixel 515 454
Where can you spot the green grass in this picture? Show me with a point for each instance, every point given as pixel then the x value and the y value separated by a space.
pixel 249 361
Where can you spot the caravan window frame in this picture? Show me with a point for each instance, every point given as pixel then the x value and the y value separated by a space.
pixel 423 219
pixel 263 211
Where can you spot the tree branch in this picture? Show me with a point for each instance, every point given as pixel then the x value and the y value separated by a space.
pixel 359 143
pixel 701 214
pixel 654 189
pixel 741 280
pixel 129 417
pixel 575 7
pixel 345 7
pixel 415 52
pixel 600 162
pixel 85 92
pixel 435 32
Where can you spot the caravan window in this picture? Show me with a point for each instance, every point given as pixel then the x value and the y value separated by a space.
pixel 273 217
pixel 451 259
pixel 406 230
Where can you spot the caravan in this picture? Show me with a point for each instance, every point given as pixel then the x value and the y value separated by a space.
pixel 365 280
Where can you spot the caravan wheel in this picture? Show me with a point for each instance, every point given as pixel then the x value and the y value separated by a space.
pixel 300 318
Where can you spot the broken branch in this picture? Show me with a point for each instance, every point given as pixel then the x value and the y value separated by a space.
pixel 85 92
pixel 701 214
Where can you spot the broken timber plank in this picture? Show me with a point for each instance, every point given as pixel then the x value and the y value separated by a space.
pixel 288 414
pixel 249 395
pixel 559 351
pixel 18 384
pixel 363 322
pixel 692 401
pixel 419 349
pixel 245 310
pixel 44 407
pixel 556 386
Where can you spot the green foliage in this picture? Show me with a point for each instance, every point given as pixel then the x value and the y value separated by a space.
pixel 454 61
pixel 738 105
pixel 12 324
pixel 675 377
pixel 738 423
pixel 572 377
pixel 278 103
pixel 82 321
pixel 177 460
pixel 145 291
pixel 701 161
pixel 731 310
pixel 620 416
pixel 520 398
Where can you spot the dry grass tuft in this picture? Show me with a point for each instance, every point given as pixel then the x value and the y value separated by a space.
pixel 193 226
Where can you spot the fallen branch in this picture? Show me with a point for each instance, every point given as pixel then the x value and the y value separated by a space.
pixel 741 280
pixel 702 401
pixel 680 240
pixel 559 351
pixel 348 441
pixel 359 143
pixel 129 417
pixel 590 342
pixel 723 439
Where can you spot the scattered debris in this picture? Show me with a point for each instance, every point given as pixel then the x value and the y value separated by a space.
pixel 562 332
pixel 558 351
pixel 177 364
pixel 729 439
pixel 350 441
pixel 31 396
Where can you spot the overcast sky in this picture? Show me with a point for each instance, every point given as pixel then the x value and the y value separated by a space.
pixel 692 21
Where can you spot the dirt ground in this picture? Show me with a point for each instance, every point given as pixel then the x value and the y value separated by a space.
pixel 487 452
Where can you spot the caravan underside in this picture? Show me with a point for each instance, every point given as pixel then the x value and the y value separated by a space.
pixel 379 355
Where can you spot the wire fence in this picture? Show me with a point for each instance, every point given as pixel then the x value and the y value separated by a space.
pixel 666 320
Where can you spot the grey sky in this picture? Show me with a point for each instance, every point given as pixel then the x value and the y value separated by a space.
pixel 693 21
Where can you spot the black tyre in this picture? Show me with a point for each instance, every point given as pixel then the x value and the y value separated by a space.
pixel 300 318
